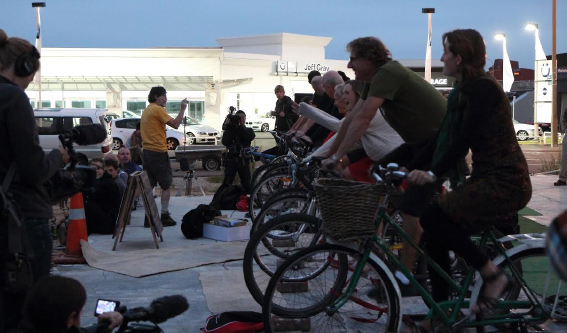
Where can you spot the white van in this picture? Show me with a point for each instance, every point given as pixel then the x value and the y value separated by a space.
pixel 52 122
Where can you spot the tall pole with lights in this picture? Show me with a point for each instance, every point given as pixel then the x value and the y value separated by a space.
pixel 427 75
pixel 37 6
pixel 539 56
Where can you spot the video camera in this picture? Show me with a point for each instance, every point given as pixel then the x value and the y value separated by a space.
pixel 74 178
pixel 231 120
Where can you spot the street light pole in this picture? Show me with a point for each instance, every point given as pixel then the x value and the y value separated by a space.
pixel 539 55
pixel 507 74
pixel 37 6
pixel 427 75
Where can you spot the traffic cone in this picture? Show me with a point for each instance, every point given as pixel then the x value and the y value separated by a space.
pixel 77 228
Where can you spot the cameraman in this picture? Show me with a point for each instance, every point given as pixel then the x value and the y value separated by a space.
pixel 237 138
pixel 19 61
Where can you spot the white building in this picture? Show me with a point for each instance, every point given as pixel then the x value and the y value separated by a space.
pixel 241 72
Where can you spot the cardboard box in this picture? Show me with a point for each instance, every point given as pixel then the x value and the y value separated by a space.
pixel 225 221
pixel 226 234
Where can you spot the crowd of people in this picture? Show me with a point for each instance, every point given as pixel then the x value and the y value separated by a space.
pixel 388 113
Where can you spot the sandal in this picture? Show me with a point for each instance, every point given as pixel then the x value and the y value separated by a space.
pixel 484 302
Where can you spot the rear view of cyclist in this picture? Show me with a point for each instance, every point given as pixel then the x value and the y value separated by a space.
pixel 478 118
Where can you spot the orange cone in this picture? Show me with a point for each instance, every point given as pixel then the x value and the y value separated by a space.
pixel 77 228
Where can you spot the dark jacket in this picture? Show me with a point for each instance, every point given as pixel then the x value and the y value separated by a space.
pixel 284 123
pixel 20 143
pixel 236 138
pixel 102 204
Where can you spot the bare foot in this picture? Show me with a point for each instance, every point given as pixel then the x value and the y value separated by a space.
pixel 494 286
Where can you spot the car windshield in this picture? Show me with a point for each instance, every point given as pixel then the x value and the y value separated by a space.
pixel 190 121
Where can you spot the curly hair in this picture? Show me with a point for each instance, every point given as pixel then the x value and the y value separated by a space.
pixel 469 44
pixel 156 92
pixel 370 48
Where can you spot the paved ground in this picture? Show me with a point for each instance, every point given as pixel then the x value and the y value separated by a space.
pixel 220 287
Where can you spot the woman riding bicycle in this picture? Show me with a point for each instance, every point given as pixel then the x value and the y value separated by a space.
pixel 478 118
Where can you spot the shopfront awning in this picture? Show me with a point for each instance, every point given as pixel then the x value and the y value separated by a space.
pixel 122 83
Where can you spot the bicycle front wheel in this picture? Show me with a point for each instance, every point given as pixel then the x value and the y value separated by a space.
pixel 274 242
pixel 374 305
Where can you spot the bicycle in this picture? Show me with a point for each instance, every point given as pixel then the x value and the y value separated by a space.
pixel 351 288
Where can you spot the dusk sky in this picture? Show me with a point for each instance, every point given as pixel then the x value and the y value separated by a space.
pixel 188 23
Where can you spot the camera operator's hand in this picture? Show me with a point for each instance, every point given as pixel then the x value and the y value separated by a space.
pixel 65 155
pixel 114 319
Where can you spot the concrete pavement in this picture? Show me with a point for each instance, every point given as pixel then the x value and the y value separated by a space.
pixel 213 288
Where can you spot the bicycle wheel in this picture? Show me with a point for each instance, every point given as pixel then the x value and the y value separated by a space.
pixel 287 201
pixel 272 243
pixel 534 267
pixel 373 307
pixel 265 189
pixel 263 170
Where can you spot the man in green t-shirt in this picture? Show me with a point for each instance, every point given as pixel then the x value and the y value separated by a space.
pixel 411 105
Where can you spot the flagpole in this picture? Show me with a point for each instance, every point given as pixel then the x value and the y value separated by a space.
pixel 427 75
pixel 37 6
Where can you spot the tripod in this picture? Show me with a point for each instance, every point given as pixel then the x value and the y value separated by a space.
pixel 188 181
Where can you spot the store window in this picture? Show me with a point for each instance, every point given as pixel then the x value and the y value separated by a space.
pixel 80 104
pixel 136 106
pixel 196 110
pixel 59 104
pixel 45 104
pixel 100 104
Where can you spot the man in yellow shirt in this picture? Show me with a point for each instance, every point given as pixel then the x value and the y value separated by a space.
pixel 155 157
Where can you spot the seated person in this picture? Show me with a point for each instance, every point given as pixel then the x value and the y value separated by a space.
pixel 55 304
pixel 102 201
pixel 111 167
pixel 134 142
pixel 125 161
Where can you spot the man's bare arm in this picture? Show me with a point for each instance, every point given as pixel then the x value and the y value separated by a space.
pixel 175 122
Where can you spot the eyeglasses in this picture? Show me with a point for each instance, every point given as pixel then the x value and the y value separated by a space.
pixel 98 167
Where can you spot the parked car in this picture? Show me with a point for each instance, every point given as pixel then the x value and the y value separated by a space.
pixel 199 133
pixel 123 128
pixel 261 124
pixel 524 131
pixel 52 122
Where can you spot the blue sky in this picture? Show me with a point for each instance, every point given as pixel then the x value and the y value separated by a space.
pixel 188 23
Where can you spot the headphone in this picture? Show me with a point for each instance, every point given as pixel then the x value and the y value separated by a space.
pixel 27 64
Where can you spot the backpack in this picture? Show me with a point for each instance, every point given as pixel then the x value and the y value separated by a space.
pixel 192 223
pixel 227 196
pixel 234 322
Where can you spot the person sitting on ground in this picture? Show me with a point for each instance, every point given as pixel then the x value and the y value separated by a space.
pixel 134 142
pixel 55 305
pixel 478 118
pixel 125 161
pixel 102 201
pixel 111 167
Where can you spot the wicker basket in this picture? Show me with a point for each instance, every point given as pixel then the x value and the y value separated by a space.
pixel 348 208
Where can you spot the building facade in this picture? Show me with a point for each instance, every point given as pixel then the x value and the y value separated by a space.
pixel 241 72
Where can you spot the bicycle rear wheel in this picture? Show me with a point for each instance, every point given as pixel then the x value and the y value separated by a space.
pixel 373 307
pixel 265 189
pixel 271 244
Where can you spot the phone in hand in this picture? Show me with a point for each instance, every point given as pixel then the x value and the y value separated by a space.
pixel 105 305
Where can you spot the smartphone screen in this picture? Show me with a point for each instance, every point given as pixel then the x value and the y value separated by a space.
pixel 105 305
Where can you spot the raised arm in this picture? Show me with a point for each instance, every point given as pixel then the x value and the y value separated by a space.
pixel 175 122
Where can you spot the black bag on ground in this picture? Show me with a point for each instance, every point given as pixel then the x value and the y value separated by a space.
pixel 234 321
pixel 227 196
pixel 192 223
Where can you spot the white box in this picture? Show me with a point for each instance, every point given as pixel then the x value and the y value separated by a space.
pixel 226 234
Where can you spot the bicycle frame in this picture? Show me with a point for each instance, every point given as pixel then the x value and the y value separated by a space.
pixel 376 246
